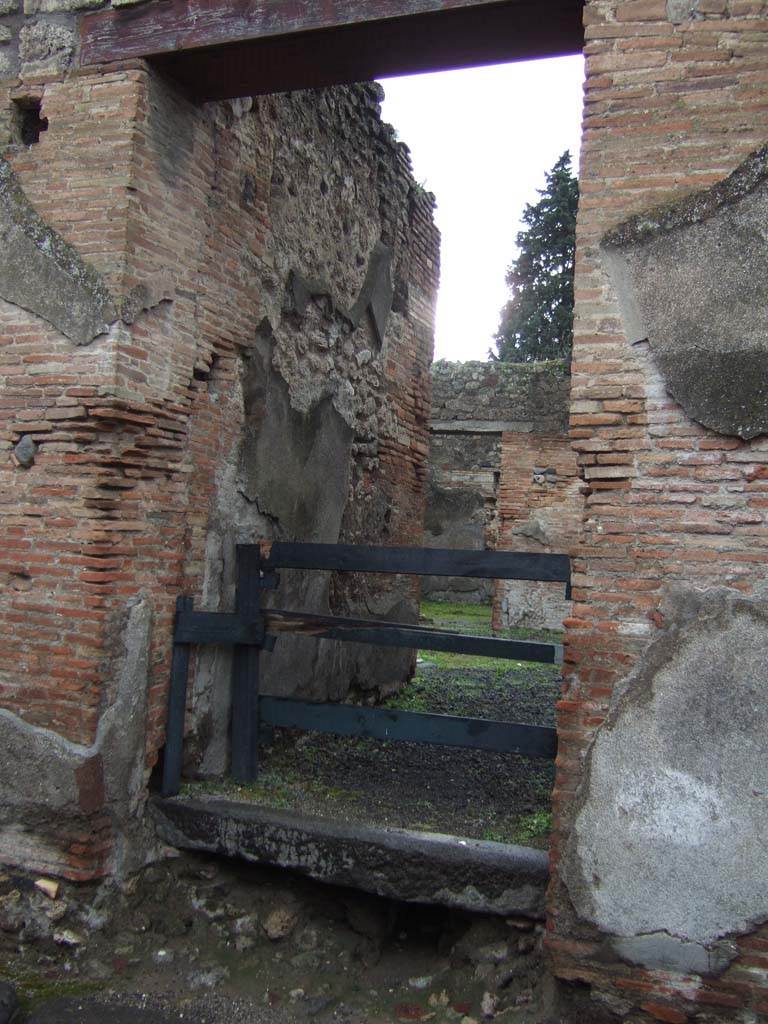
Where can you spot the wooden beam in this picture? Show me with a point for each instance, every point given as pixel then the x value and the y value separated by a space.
pixel 489 565
pixel 224 48
pixel 410 726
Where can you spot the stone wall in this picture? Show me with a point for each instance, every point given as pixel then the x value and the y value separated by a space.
pixel 495 429
pixel 663 717
pixel 216 327
pixel 658 899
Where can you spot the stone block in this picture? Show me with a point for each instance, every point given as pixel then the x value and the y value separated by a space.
pixel 46 275
pixel 59 6
pixel 45 47
pixel 691 279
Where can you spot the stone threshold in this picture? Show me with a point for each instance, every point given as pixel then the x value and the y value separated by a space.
pixel 415 867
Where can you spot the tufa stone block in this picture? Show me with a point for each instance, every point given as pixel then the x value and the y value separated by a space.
pixel 45 46
pixel 691 279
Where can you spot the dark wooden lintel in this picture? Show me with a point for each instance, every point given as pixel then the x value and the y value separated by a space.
pixel 224 48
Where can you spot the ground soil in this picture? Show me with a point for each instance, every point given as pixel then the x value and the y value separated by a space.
pixel 213 941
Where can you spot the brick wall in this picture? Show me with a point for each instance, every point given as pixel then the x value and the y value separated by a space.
pixel 539 510
pixel 675 100
pixel 491 423
pixel 195 217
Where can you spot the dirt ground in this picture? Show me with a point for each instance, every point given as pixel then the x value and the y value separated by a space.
pixel 477 794
pixel 213 941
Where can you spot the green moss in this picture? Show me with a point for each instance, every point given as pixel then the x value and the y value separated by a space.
pixel 282 790
pixel 532 827
pixel 34 989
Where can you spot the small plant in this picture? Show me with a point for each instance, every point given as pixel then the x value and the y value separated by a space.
pixel 533 826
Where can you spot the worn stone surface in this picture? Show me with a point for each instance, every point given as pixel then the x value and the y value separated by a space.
pixel 45 46
pixel 680 10
pixel 44 274
pixel 47 779
pixel 9 68
pixel 411 866
pixel 9 1002
pixel 59 6
pixel 661 951
pixel 24 452
pixel 691 279
pixel 676 772
pixel 89 1011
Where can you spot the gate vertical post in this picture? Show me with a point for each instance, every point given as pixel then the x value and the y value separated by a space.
pixel 245 669
pixel 177 704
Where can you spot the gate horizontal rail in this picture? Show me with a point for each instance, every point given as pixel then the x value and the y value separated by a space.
pixel 221 628
pixel 251 629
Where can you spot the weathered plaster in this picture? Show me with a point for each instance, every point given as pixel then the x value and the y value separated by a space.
pixel 45 778
pixel 692 279
pixel 42 273
pixel 667 849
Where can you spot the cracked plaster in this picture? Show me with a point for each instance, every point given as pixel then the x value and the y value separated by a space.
pixel 666 853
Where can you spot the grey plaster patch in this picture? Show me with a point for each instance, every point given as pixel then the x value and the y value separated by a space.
pixel 692 279
pixel 45 46
pixel 295 468
pixel 666 952
pixel 25 451
pixel 681 10
pixel 377 292
pixel 417 867
pixel 9 65
pixel 454 518
pixel 146 296
pixel 46 778
pixel 674 805
pixel 46 275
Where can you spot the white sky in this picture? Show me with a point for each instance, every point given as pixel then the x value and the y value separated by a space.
pixel 482 141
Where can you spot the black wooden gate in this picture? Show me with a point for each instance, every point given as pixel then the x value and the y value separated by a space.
pixel 251 629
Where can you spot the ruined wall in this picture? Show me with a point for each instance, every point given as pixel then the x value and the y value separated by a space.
pixel 495 429
pixel 540 510
pixel 661 728
pixel 218 329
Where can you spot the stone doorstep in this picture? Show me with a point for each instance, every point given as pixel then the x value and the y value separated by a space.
pixel 416 867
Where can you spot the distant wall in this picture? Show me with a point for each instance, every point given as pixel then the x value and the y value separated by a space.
pixel 495 429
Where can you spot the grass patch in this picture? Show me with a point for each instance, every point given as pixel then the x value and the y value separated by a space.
pixel 475 619
pixel 284 790
pixel 532 827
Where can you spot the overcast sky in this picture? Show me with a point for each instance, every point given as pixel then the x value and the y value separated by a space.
pixel 482 141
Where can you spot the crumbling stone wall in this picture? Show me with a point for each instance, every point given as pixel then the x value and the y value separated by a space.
pixel 502 474
pixel 220 330
pixel 648 904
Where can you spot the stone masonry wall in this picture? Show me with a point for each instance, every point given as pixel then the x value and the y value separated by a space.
pixel 217 325
pixel 492 424
pixel 661 727
pixel 128 373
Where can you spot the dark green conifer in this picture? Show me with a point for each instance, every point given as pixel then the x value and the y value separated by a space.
pixel 537 321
